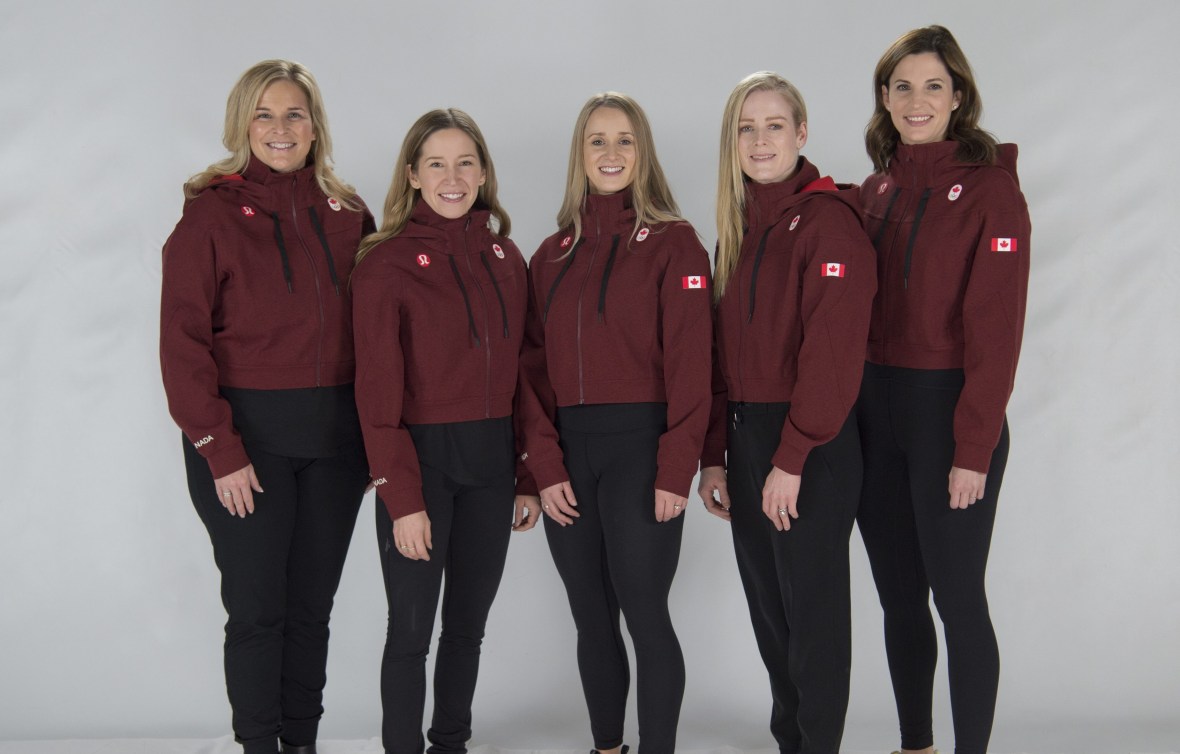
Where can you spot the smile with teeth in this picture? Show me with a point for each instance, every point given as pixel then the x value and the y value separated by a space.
pixel 917 120
pixel 761 157
pixel 281 144
pixel 451 197
pixel 611 169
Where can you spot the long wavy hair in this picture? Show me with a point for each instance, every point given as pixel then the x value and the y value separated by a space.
pixel 400 201
pixel 731 181
pixel 651 198
pixel 881 137
pixel 239 114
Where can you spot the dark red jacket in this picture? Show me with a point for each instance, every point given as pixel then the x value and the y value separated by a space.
pixel 439 319
pixel 255 295
pixel 952 245
pixel 792 324
pixel 623 316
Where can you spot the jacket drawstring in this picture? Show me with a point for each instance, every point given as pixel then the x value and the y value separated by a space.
pixel 569 260
pixel 319 231
pixel 282 251
pixel 909 247
pixel 483 257
pixel 888 212
pixel 466 301
pixel 754 273
pixel 610 263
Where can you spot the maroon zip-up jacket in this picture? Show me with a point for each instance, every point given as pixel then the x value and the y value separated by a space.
pixel 952 243
pixel 623 316
pixel 439 319
pixel 255 295
pixel 792 324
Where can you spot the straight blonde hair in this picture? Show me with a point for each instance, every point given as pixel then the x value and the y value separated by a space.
pixel 651 198
pixel 731 181
pixel 239 114
pixel 400 201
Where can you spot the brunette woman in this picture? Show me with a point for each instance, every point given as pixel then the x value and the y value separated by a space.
pixel 256 353
pixel 794 283
pixel 951 228
pixel 440 302
pixel 615 401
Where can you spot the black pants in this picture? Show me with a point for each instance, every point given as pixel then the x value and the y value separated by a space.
pixel 469 528
pixel 917 545
pixel 797 581
pixel 280 567
pixel 616 556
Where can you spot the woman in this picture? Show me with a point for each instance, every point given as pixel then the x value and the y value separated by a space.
pixel 439 320
pixel 951 229
pixel 790 362
pixel 615 400
pixel 257 359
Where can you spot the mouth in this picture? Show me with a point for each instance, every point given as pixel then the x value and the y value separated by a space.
pixel 452 198
pixel 918 120
pixel 611 169
pixel 762 157
pixel 281 146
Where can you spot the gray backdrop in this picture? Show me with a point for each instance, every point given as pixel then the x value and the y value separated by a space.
pixel 110 620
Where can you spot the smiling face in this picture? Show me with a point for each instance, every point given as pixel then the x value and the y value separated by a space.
pixel 768 140
pixel 449 172
pixel 609 154
pixel 281 132
pixel 920 98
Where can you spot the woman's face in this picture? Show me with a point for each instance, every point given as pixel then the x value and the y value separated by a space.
pixel 449 172
pixel 609 154
pixel 282 132
pixel 768 141
pixel 920 98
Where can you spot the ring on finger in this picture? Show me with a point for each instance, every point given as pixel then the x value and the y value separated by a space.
pixel 782 511
pixel 675 506
pixel 227 493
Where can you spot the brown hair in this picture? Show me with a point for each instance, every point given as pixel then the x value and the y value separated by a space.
pixel 400 201
pixel 881 137
pixel 650 195
pixel 239 113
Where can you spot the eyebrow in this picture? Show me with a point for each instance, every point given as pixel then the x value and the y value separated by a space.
pixel 768 117
pixel 907 81
pixel 603 133
pixel 289 109
pixel 439 157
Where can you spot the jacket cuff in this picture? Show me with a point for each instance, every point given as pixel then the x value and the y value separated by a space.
pixel 713 457
pixel 973 457
pixel 676 481
pixel 401 502
pixel 789 459
pixel 229 459
pixel 547 473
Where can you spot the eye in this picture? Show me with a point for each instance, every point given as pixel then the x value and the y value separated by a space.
pixel 776 126
pixel 626 141
pixel 466 163
pixel 935 87
pixel 745 129
pixel 903 87
pixel 261 116
pixel 294 116
pixel 434 164
pixel 596 141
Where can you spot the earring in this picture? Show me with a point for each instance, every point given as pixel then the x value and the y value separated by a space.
pixel 955 106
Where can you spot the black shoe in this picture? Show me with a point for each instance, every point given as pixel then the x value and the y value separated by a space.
pixel 289 749
pixel 624 750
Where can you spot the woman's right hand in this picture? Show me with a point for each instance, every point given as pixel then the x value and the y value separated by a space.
pixel 411 536
pixel 236 491
pixel 559 503
pixel 713 480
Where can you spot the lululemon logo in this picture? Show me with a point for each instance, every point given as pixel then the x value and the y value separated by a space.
pixel 248 211
pixel 423 260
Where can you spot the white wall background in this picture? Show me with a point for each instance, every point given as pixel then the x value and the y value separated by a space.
pixel 110 622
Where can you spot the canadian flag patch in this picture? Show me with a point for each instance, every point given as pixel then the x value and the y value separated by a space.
pixel 1003 244
pixel 833 270
pixel 692 281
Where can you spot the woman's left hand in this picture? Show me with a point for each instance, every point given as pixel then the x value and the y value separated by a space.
pixel 528 510
pixel 669 506
pixel 965 487
pixel 780 498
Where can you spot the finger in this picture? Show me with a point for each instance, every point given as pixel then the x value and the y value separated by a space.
pixel 568 492
pixel 723 494
pixel 427 541
pixel 555 514
pixel 770 510
pixel 248 499
pixel 254 483
pixel 793 507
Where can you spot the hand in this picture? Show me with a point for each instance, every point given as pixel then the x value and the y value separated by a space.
pixel 713 480
pixel 558 501
pixel 965 487
pixel 780 498
pixel 528 510
pixel 411 536
pixel 669 505
pixel 236 491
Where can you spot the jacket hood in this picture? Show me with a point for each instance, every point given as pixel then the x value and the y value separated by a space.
pixel 259 186
pixel 768 203
pixel 921 164
pixel 444 234
pixel 608 214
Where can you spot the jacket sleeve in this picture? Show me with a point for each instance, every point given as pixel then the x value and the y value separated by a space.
pixel 687 340
pixel 380 389
pixel 839 279
pixel 993 326
pixel 188 297
pixel 713 453
pixel 538 444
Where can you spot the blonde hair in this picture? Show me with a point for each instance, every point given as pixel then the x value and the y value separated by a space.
pixel 731 181
pixel 239 114
pixel 400 201
pixel 651 198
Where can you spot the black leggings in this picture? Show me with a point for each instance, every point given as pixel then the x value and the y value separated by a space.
pixel 280 567
pixel 614 557
pixel 797 581
pixel 917 544
pixel 469 528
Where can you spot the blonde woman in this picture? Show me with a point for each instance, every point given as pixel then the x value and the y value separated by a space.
pixel 614 404
pixel 257 359
pixel 440 302
pixel 794 283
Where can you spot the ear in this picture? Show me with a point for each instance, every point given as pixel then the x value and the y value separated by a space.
pixel 801 135
pixel 958 98
pixel 483 176
pixel 414 182
pixel 885 96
